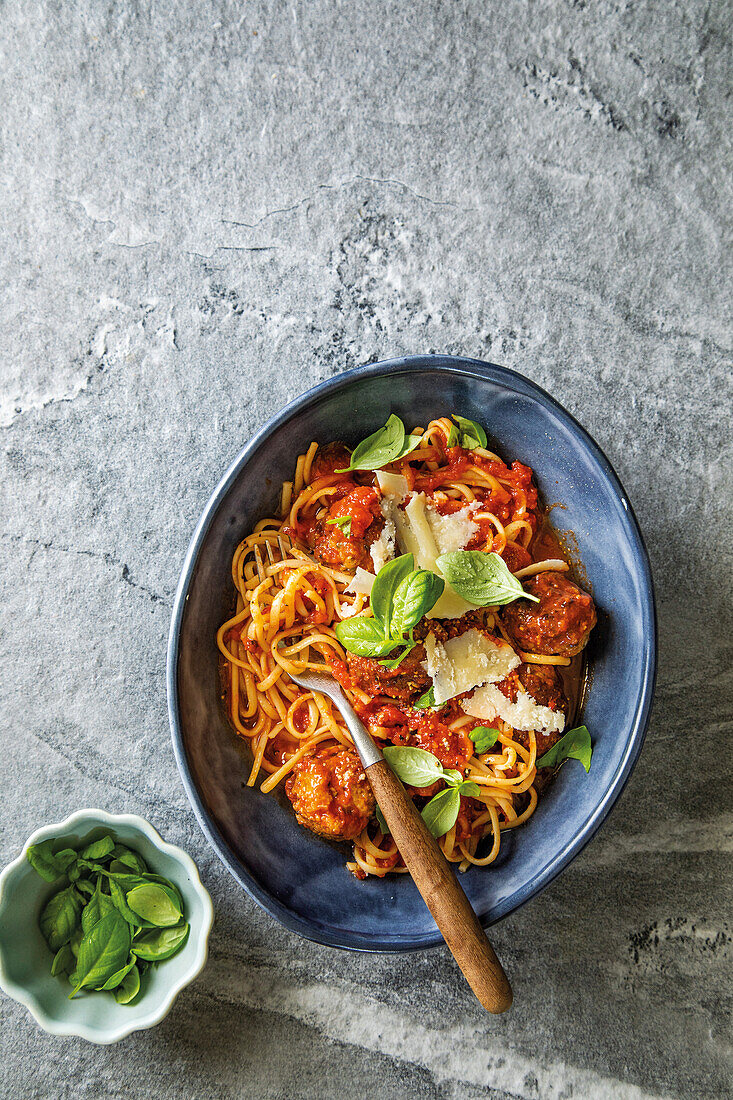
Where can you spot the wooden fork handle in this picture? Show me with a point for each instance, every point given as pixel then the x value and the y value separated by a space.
pixel 432 874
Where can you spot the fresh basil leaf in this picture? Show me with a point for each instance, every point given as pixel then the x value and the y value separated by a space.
pixel 343 523
pixel 48 864
pixel 160 943
pixel 364 637
pixel 378 449
pixel 395 661
pixel 120 901
pixel 416 767
pixel 412 442
pixel 60 918
pixel 99 906
pixel 483 738
pixel 156 904
pixel 468 789
pixel 133 861
pixel 441 811
pixel 119 975
pixel 427 699
pixel 482 579
pixel 389 578
pixel 98 849
pixel 149 877
pixel 63 961
pixel 84 886
pixel 75 941
pixel 472 434
pixel 413 598
pixel 102 952
pixel 452 777
pixel 454 437
pixel 380 821
pixel 129 987
pixel 574 744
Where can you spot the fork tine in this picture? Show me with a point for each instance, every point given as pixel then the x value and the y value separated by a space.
pixel 260 567
pixel 284 545
pixel 270 552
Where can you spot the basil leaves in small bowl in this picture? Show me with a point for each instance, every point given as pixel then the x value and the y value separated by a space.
pixel 83 894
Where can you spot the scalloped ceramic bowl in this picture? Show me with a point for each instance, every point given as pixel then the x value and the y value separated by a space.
pixel 25 960
pixel 296 876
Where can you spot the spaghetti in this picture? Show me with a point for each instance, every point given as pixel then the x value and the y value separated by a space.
pixel 335 521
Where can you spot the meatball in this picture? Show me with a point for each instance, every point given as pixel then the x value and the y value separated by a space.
pixel 543 684
pixel 329 458
pixel 559 624
pixel 331 794
pixel 358 513
pixel 406 682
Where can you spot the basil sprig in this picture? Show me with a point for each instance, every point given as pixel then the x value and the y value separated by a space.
pixel 385 445
pixel 468 434
pixel 483 738
pixel 111 918
pixel 343 523
pixel 575 744
pixel 482 579
pixel 400 596
pixel 419 768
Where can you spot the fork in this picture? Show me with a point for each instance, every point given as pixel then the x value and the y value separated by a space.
pixel 432 874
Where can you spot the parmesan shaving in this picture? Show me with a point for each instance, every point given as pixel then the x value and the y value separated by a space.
pixel 488 703
pixel 465 662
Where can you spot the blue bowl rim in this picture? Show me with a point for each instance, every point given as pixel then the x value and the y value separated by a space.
pixel 512 381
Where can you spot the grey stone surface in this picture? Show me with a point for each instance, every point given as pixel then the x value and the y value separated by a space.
pixel 206 208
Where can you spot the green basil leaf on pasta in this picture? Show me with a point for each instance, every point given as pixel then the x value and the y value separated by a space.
pixel 472 434
pixel 427 699
pixel 343 523
pixel 102 952
pixel 412 442
pixel 441 811
pixel 416 594
pixel 480 578
pixel 483 738
pixel 60 917
pixel 378 449
pixel 364 637
pixel 389 578
pixel 157 944
pixel 416 767
pixel 454 437
pixel 469 789
pixel 405 649
pixel 154 903
pixel 575 744
pixel 452 777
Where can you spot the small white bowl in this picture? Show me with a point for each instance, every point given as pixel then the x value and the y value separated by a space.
pixel 25 960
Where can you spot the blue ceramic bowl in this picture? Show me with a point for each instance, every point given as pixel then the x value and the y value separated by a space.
pixel 299 878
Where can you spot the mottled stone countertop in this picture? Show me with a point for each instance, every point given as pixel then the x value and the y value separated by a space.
pixel 207 207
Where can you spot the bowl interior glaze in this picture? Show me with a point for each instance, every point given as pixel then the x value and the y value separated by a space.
pixel 299 878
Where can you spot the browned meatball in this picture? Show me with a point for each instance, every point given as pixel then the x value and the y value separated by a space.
pixel 331 794
pixel 406 682
pixel 559 624
pixel 543 684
